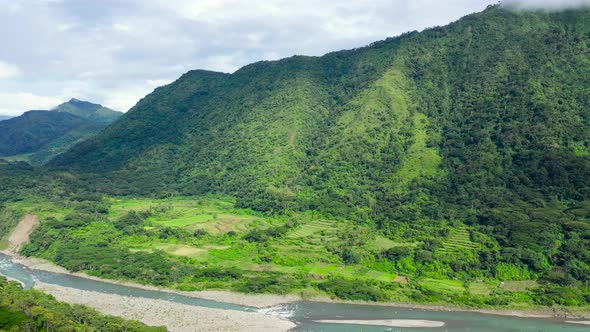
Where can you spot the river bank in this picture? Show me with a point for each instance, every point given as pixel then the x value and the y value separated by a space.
pixel 251 300
pixel 269 300
pixel 177 317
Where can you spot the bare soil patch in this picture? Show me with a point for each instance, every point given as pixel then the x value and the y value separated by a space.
pixel 20 234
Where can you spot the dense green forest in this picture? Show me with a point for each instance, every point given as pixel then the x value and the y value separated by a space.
pixel 456 156
pixel 38 136
pixel 31 310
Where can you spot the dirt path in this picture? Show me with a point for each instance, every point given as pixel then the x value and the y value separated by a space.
pixel 20 235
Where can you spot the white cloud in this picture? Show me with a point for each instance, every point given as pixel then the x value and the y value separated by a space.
pixel 15 103
pixel 124 99
pixel 121 27
pixel 157 83
pixel 114 52
pixel 65 26
pixel 8 71
pixel 546 4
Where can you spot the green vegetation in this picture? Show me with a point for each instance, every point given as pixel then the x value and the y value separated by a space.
pixel 31 310
pixel 93 112
pixel 207 242
pixel 38 136
pixel 457 158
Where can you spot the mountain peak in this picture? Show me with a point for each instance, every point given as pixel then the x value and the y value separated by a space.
pixel 81 103
pixel 88 110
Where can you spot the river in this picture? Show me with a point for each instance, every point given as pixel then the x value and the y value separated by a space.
pixel 307 314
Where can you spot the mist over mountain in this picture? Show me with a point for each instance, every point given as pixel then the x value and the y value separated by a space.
pixel 550 5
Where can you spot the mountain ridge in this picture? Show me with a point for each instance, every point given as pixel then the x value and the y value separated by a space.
pixel 88 110
pixel 39 135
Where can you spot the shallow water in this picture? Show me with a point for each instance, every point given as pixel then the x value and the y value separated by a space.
pixel 306 313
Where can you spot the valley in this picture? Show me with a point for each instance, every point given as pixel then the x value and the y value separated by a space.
pixel 428 179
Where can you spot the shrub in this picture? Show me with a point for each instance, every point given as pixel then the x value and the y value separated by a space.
pixel 396 253
pixel 352 290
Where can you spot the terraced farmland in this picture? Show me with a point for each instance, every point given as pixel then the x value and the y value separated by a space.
pixel 459 239
pixel 313 228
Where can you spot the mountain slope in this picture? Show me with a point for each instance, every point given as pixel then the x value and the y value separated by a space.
pixel 41 135
pixel 483 121
pixel 4 117
pixel 94 112
pixel 30 131
pixel 486 81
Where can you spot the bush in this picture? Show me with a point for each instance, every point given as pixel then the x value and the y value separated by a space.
pixel 396 253
pixel 351 256
pixel 353 290
pixel 273 283
pixel 424 256
pixel 132 218
pixel 200 233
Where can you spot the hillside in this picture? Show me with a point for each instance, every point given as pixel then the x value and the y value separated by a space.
pixel 489 104
pixel 29 132
pixel 5 117
pixel 464 150
pixel 94 112
pixel 38 136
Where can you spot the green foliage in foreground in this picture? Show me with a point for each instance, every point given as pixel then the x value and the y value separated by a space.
pixel 31 310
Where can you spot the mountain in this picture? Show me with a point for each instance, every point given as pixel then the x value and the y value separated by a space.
pixel 485 121
pixel 5 117
pixel 94 112
pixel 37 136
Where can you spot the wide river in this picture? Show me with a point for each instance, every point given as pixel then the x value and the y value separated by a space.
pixel 306 314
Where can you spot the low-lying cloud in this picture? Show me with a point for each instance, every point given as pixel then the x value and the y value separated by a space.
pixel 552 5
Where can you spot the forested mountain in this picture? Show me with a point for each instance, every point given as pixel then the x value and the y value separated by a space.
pixel 37 136
pixel 484 121
pixel 94 112
pixel 5 117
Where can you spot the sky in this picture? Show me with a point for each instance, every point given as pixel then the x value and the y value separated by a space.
pixel 114 52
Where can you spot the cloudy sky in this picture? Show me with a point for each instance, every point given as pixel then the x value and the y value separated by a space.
pixel 114 52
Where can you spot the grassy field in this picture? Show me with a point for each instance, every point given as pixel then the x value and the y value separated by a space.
pixel 43 208
pixel 301 251
pixel 212 215
pixel 444 286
